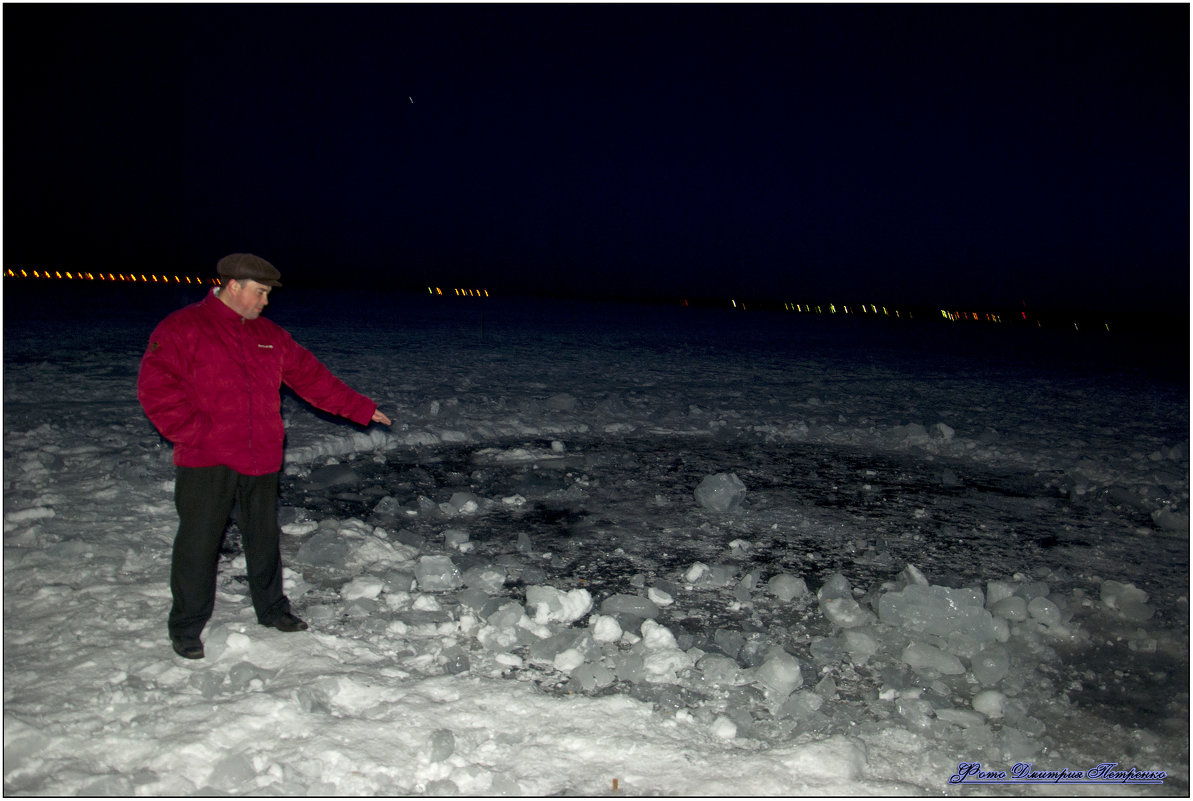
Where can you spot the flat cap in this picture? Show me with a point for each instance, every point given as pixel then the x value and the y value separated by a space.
pixel 249 267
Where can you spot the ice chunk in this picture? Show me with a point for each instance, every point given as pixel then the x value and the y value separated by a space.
pixel 990 703
pixel 568 660
pixel 246 675
pixel 718 670
pixel 325 548
pixel 779 673
pixel 1135 611
pixel 837 586
pixel 1127 599
pixel 723 492
pixel 1033 589
pixel 399 581
pixel 507 616
pixel 991 665
pixel 787 587
pixel 1170 520
pixel 1012 608
pixel 700 574
pixel 997 591
pixel 454 537
pixel 724 728
pixel 938 610
pixel 549 604
pixel 605 628
pixel 630 666
pixel 845 612
pixel 488 578
pixel 362 587
pixel 664 666
pixel 961 717
pixel 1044 610
pixel 548 649
pixel 659 597
pixel 437 573
pixel 657 637
pixel 800 705
pixel 729 641
pixel 916 712
pixel 461 503
pixel 592 676
pixel 860 645
pixel 632 605
pixel 921 656
pixel 912 575
pixel 498 638
pixel 334 475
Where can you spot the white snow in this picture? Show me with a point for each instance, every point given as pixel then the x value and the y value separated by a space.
pixel 534 600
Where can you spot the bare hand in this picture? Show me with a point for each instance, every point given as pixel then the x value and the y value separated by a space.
pixel 379 417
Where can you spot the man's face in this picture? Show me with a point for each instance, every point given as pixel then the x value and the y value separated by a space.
pixel 247 298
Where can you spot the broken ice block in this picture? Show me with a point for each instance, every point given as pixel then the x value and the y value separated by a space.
pixel 779 673
pixel 923 656
pixel 550 604
pixel 605 628
pixel 837 586
pixel 786 587
pixel 990 703
pixel 991 665
pixel 454 537
pixel 489 578
pixel 1129 600
pixel 631 605
pixel 938 610
pixel 723 492
pixel 437 573
pixel 1013 608
pixel 1044 610
pixel 845 612
pixel 325 548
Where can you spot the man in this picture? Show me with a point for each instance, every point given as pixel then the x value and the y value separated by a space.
pixel 211 381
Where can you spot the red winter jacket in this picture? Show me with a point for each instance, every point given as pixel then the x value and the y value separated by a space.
pixel 211 383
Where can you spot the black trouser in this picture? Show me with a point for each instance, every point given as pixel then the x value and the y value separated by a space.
pixel 204 498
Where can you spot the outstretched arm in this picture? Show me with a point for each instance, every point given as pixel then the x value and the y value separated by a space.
pixel 307 376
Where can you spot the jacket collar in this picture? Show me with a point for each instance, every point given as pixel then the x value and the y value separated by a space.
pixel 222 310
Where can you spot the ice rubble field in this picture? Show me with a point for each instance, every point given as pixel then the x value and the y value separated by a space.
pixel 612 550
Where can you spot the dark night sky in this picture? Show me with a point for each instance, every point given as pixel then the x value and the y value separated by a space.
pixel 939 155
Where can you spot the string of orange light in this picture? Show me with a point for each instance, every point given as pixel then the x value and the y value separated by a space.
pixel 139 278
pixel 471 293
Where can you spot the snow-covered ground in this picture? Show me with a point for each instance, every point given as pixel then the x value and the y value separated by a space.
pixel 954 544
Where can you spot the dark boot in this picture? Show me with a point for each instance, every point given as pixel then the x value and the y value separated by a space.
pixel 187 647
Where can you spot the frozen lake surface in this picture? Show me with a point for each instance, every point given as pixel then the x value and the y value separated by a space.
pixel 516 591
